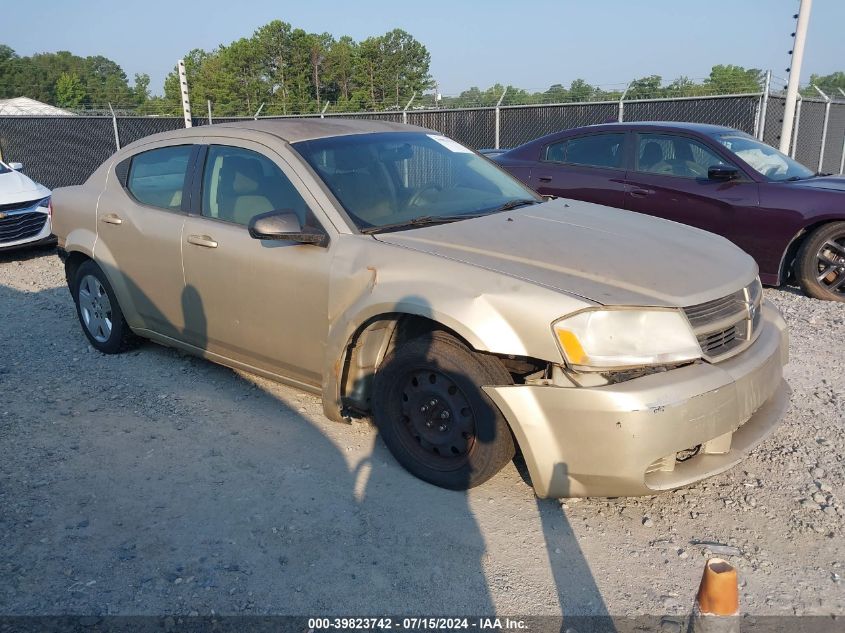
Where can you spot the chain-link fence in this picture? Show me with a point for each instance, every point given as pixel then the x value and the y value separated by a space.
pixel 65 150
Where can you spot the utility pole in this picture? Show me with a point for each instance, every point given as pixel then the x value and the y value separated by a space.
pixel 795 74
pixel 183 88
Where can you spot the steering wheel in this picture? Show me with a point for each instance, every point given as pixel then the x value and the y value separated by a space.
pixel 419 195
pixel 772 171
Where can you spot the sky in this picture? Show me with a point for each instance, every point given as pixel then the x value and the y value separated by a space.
pixel 530 44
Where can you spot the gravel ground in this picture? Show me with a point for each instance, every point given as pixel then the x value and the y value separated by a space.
pixel 154 482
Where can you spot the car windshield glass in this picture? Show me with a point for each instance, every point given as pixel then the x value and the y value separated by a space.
pixel 4 169
pixel 764 158
pixel 391 179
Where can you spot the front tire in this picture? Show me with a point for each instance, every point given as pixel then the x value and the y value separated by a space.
pixel 99 313
pixel 820 265
pixel 435 418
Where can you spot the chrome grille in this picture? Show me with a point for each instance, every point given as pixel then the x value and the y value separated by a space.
pixel 21 225
pixel 727 325
pixel 19 206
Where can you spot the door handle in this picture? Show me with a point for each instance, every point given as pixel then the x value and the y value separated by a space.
pixel 202 240
pixel 641 193
pixel 544 178
pixel 111 218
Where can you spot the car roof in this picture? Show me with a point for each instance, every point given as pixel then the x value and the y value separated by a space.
pixel 291 130
pixel 704 128
pixel 663 126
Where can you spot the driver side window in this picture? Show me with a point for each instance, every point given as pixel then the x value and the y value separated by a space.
pixel 672 155
pixel 239 184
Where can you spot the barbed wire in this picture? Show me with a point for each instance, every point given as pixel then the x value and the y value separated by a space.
pixel 554 95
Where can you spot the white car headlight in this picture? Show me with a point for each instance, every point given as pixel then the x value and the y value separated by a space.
pixel 602 339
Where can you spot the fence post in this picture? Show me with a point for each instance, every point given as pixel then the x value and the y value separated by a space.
pixel 800 100
pixel 209 111
pixel 114 125
pixel 764 106
pixel 842 158
pixel 405 111
pixel 323 111
pixel 621 116
pixel 186 102
pixel 824 125
pixel 498 116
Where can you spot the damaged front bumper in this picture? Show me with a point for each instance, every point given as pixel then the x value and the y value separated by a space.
pixel 625 439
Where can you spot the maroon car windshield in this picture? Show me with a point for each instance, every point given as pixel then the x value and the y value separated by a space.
pixel 764 159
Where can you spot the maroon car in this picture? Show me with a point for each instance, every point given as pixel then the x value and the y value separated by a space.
pixel 790 219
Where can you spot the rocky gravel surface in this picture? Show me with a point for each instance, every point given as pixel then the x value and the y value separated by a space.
pixel 154 482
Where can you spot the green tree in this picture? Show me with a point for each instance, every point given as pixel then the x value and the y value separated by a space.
pixel 69 90
pixel 646 88
pixel 341 61
pixel 829 84
pixel 730 79
pixel 580 90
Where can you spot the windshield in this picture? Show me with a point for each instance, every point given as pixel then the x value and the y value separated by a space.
pixel 3 168
pixel 393 178
pixel 765 159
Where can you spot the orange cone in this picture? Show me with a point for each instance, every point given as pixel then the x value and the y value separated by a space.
pixel 717 603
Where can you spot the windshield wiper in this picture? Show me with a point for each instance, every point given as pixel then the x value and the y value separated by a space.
pixel 428 220
pixel 514 204
pixel 423 220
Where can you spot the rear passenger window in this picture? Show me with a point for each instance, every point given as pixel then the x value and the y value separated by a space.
pixel 157 177
pixel 595 150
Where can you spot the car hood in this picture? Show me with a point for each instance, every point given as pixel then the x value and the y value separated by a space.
pixel 15 187
pixel 606 255
pixel 834 183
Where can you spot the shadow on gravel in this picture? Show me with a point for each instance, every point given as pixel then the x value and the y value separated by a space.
pixel 26 253
pixel 124 493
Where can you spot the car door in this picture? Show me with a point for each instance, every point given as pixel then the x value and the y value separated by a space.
pixel 139 228
pixel 262 303
pixel 669 179
pixel 589 167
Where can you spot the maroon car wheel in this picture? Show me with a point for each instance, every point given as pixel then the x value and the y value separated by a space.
pixel 821 263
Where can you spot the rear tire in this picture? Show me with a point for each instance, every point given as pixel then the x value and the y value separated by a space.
pixel 98 311
pixel 820 264
pixel 435 418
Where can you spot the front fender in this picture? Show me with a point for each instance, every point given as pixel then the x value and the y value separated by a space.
pixel 492 312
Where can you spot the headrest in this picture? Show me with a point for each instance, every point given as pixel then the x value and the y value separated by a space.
pixel 652 154
pixel 242 174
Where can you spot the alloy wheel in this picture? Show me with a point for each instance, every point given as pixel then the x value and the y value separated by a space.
pixel 831 264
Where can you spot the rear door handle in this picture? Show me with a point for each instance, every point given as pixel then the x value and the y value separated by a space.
pixel 202 240
pixel 641 193
pixel 111 218
pixel 544 178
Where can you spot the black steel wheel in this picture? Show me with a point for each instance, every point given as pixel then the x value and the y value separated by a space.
pixel 434 416
pixel 437 422
pixel 821 263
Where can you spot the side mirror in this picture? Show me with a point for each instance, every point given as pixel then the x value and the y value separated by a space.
pixel 723 173
pixel 284 225
pixel 16 166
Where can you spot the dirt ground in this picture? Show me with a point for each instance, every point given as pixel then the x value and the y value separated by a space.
pixel 154 482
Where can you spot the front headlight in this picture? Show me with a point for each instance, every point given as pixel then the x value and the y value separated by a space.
pixel 602 339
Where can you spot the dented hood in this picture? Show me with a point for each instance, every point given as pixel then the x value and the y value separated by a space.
pixel 607 255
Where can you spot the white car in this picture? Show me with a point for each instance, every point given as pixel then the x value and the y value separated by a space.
pixel 24 209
